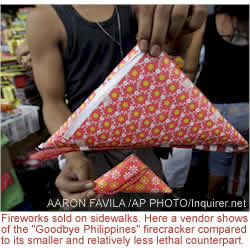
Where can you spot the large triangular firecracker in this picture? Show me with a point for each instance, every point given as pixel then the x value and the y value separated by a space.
pixel 145 102
pixel 130 176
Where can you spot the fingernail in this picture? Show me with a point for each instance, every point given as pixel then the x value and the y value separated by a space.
pixel 144 45
pixel 155 50
pixel 91 194
pixel 89 185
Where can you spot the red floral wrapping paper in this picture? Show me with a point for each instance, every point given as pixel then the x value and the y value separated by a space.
pixel 131 176
pixel 145 102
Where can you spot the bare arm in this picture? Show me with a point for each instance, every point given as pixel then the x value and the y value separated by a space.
pixel 188 46
pixel 43 35
pixel 47 67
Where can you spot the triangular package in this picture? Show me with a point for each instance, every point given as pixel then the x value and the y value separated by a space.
pixel 130 176
pixel 145 102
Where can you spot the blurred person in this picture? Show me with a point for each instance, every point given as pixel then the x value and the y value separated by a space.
pixel 224 78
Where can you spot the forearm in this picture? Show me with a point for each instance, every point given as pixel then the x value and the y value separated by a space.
pixel 55 114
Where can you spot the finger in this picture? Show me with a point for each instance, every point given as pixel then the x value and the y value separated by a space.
pixel 70 197
pixel 90 194
pixel 19 58
pixel 65 184
pixel 26 60
pixel 22 50
pixel 198 16
pixel 178 19
pixel 77 198
pixel 29 57
pixel 160 28
pixel 145 22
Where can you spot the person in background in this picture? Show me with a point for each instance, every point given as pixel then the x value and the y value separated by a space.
pixel 76 53
pixel 224 78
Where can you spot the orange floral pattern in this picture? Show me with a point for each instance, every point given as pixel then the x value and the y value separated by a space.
pixel 134 176
pixel 155 104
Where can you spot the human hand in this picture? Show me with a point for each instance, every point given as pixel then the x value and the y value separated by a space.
pixel 23 55
pixel 159 26
pixel 74 182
